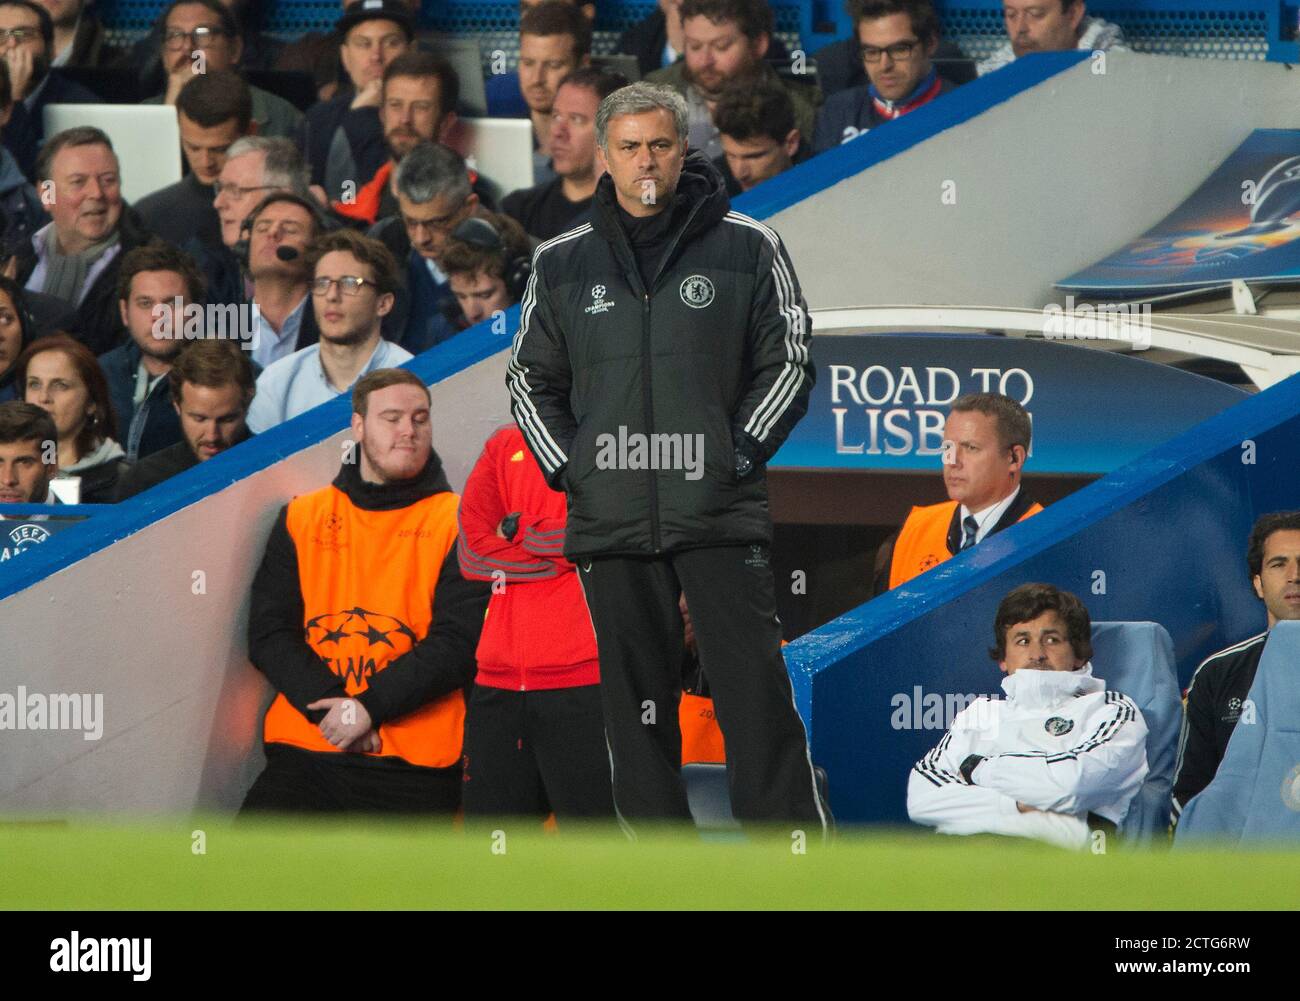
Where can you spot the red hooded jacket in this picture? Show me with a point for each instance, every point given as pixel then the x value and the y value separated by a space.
pixel 538 632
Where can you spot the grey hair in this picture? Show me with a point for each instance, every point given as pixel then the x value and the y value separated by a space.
pixel 282 164
pixel 431 170
pixel 640 97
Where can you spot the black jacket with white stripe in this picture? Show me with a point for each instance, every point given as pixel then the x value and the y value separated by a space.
pixel 636 401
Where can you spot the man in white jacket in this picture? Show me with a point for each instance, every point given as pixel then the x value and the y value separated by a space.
pixel 1059 758
pixel 1050 26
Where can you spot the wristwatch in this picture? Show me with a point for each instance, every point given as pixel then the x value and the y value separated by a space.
pixel 969 765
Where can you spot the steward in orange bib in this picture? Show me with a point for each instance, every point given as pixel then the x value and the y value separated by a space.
pixel 985 442
pixel 362 622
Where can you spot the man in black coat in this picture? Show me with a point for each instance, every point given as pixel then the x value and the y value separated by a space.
pixel 77 257
pixel 662 358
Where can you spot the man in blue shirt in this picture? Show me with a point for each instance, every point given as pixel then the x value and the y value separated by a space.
pixel 354 279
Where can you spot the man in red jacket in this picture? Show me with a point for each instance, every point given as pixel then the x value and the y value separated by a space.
pixel 534 732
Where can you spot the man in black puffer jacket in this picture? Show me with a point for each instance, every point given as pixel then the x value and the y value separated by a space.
pixel 662 358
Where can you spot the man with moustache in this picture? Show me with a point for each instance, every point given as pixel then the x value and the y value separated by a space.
pixel 1050 26
pixel 353 282
pixel 211 385
pixel 418 103
pixel 370 706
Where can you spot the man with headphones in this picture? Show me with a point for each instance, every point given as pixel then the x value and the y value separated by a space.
pixel 272 244
pixel 487 261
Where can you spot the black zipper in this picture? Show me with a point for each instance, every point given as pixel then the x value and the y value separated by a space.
pixel 648 397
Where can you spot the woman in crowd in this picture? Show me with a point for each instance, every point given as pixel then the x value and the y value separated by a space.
pixel 15 335
pixel 60 375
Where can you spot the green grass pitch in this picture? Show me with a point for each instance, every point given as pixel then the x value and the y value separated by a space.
pixel 301 865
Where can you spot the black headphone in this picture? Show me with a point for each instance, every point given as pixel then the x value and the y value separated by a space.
pixel 241 247
pixel 482 235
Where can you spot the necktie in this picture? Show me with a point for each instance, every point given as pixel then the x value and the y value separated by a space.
pixel 970 527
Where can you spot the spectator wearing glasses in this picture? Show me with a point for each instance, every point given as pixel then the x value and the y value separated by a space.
pixel 354 279
pixel 1050 26
pixel 203 36
pixel 435 194
pixel 254 167
pixel 256 51
pixel 26 42
pixel 342 138
pixel 897 40
pixel 214 110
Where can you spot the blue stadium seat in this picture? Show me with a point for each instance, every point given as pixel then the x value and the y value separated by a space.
pixel 1255 795
pixel 1137 659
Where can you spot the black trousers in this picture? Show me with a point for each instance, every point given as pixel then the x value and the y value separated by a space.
pixel 300 781
pixel 530 753
pixel 730 593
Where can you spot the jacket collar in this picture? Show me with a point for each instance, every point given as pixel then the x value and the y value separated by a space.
pixel 391 496
pixel 1031 689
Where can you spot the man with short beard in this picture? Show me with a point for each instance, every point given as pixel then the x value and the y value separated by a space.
pixel 369 565
pixel 353 282
pixel 154 279
pixel 726 42
pixel 212 384
pixel 26 52
pixel 418 104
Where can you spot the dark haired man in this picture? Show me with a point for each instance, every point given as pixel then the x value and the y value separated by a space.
pixel 986 440
pixel 213 110
pixel 211 385
pixel 726 42
pixel 28 440
pixel 758 134
pixel 27 46
pixel 897 40
pixel 1050 26
pixel 417 105
pixel 1218 695
pixel 342 139
pixel 369 710
pixel 153 281
pixel 1059 758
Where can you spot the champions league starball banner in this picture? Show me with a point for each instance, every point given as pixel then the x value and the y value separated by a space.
pixel 1241 223
pixel 880 401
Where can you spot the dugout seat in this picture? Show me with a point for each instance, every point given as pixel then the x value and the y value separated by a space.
pixel 1137 659
pixel 709 796
pixel 1255 795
